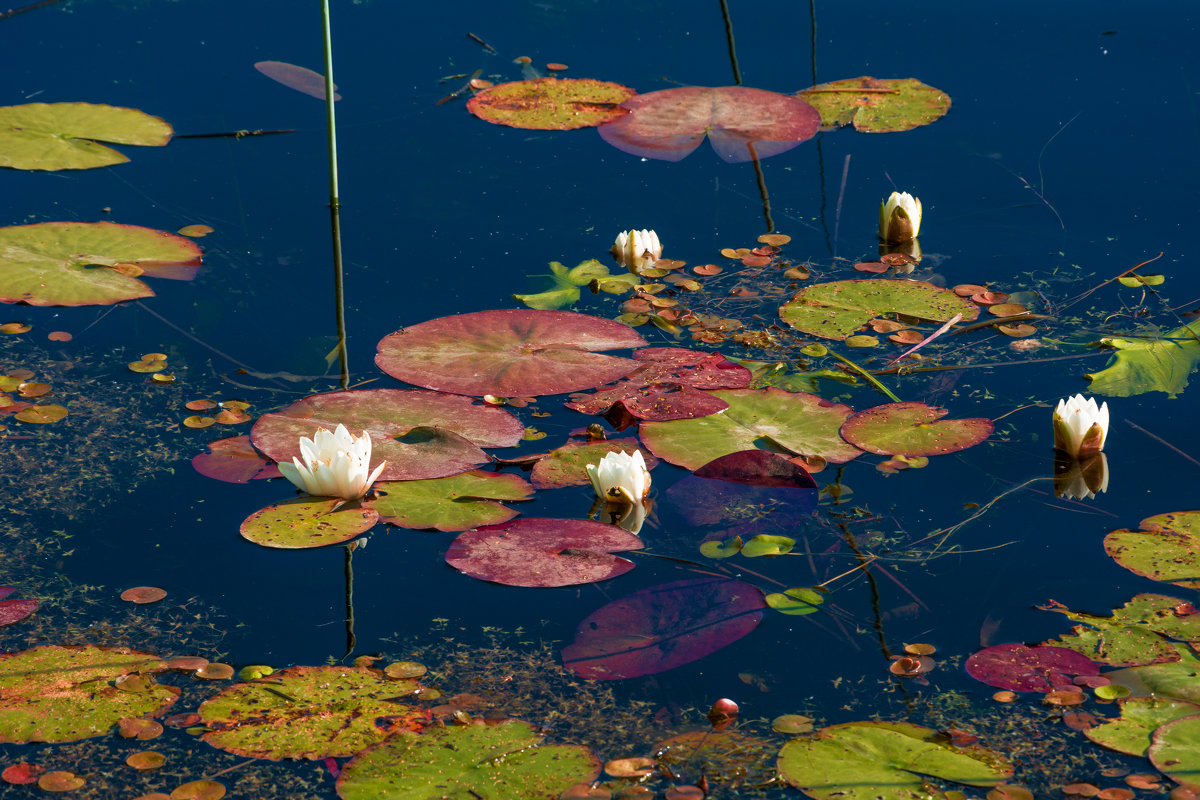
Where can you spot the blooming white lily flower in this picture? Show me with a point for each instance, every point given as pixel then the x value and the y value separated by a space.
pixel 1080 428
pixel 637 249
pixel 336 464
pixel 621 477
pixel 899 217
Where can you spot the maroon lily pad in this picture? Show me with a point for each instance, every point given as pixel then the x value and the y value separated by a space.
pixel 741 123
pixel 543 552
pixel 663 627
pixel 301 79
pixel 14 610
pixel 567 466
pixel 514 353
pixel 912 429
pixel 234 460
pixel 420 434
pixel 745 494
pixel 1019 668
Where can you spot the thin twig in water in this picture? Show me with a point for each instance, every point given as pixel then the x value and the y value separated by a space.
pixel 12 12
pixel 1164 442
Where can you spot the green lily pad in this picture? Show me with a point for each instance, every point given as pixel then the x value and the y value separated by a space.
pixel 449 504
pixel 1175 750
pixel 54 136
pixel 1140 716
pixel 715 548
pixel 502 761
pixel 796 423
pixel 551 104
pixel 88 263
pixel 912 429
pixel 796 602
pixel 1178 679
pixel 1134 633
pixel 767 545
pixel 888 104
pixel 884 761
pixel 307 522
pixel 62 694
pixel 309 712
pixel 1149 364
pixel 567 465
pixel 511 353
pixel 1167 548
pixel 565 291
pixel 836 310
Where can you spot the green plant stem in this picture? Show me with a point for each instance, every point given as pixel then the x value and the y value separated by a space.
pixel 334 201
pixel 870 378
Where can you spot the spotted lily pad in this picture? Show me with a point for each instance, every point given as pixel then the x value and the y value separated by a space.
pixel 912 429
pixel 836 310
pixel 500 761
pixel 62 694
pixel 1167 548
pixel 449 504
pixel 1140 716
pixel 309 712
pixel 1134 634
pixel 1028 669
pixel 551 104
pixel 53 136
pixel 307 522
pixel 509 353
pixel 1175 749
pixel 877 105
pixel 88 263
pixel 567 465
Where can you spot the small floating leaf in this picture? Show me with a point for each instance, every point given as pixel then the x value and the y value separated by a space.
pixel 886 105
pixel 53 136
pixel 551 104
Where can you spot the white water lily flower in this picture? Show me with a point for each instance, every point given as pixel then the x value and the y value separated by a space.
pixel 1080 428
pixel 621 477
pixel 637 249
pixel 899 217
pixel 335 464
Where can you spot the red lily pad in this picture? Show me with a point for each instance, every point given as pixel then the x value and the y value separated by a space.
pixel 741 123
pixel 551 104
pixel 567 466
pixel 543 552
pixel 234 460
pixel 1028 669
pixel 14 610
pixel 662 627
pixel 912 429
pixel 514 353
pixel 420 434
pixel 747 493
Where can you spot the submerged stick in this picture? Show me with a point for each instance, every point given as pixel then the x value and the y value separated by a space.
pixel 12 12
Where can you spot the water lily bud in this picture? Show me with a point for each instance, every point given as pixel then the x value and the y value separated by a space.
pixel 637 249
pixel 336 464
pixel 1080 428
pixel 723 713
pixel 620 477
pixel 899 217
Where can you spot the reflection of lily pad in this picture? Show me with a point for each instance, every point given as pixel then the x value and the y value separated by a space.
pixel 88 263
pixel 836 310
pixel 449 504
pixel 1139 717
pixel 551 104
pixel 501 761
pixel 1028 669
pixel 1134 633
pixel 509 353
pixel 747 493
pixel 307 522
pixel 740 123
pixel 795 423
pixel 1167 548
pixel 55 136
pixel 234 460
pixel 912 429
pixel 888 104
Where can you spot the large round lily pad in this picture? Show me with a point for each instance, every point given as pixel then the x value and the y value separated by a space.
pixel 884 104
pixel 551 104
pixel 501 761
pixel 796 423
pixel 837 309
pixel 1167 548
pixel 1175 750
pixel 1028 669
pixel 883 761
pixel 61 694
pixel 741 123
pixel 912 429
pixel 449 504
pixel 509 353
pixel 309 712
pixel 1140 716
pixel 307 522
pixel 420 434
pixel 88 263
pixel 54 136
pixel 543 552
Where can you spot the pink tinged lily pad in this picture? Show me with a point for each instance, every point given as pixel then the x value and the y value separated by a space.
pixel 663 627
pixel 1028 669
pixel 420 434
pixel 912 429
pixel 234 460
pixel 543 552
pixel 567 466
pixel 741 123
pixel 301 79
pixel 307 522
pixel 514 353
pixel 745 494
pixel 14 610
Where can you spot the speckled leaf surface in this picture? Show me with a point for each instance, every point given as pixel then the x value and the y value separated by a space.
pixel 307 522
pixel 551 104
pixel 887 105
pixel 837 309
pixel 912 429
pixel 1167 548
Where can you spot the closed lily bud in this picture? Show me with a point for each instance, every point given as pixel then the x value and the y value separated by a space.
pixel 1080 427
pixel 620 477
pixel 899 217
pixel 637 249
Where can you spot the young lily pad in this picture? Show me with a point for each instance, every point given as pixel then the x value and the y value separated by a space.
pixel 567 465
pixel 53 136
pixel 62 694
pixel 309 712
pixel 883 761
pixel 888 104
pixel 88 263
pixel 565 291
pixel 1175 749
pixel 747 494
pixel 543 552
pixel 509 353
pixel 662 627
pixel 234 460
pixel 1167 548
pixel 1154 363
pixel 741 123
pixel 307 522
pixel 501 761
pixel 795 423
pixel 1140 716
pixel 420 434
pixel 1028 669
pixel 797 601
pixel 912 429
pixel 1133 634
pixel 449 504
pixel 836 310
pixel 551 104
